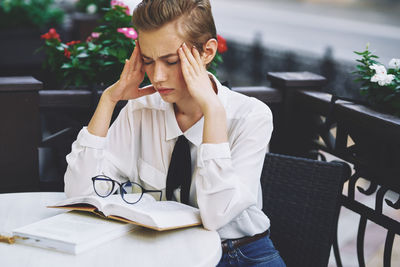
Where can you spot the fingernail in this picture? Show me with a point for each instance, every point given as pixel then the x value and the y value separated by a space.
pixel 184 44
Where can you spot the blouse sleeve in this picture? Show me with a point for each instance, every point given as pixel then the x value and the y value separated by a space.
pixel 228 174
pixel 93 155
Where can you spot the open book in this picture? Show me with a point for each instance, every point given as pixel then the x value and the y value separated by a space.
pixel 157 215
pixel 72 232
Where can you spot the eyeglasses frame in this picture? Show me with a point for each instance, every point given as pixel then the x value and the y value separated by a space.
pixel 102 177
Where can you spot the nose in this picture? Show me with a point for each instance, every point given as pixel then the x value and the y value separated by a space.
pixel 159 74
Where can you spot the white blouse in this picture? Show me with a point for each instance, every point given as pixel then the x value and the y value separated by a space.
pixel 226 176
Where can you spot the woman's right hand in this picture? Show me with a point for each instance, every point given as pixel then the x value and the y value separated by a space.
pixel 127 87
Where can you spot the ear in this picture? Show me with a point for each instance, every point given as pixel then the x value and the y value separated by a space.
pixel 209 51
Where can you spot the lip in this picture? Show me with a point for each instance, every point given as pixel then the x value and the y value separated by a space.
pixel 164 90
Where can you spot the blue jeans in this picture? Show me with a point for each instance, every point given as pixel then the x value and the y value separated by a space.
pixel 260 253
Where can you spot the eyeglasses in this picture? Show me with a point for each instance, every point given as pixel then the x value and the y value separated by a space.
pixel 131 192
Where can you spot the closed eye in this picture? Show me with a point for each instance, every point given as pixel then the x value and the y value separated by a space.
pixel 167 62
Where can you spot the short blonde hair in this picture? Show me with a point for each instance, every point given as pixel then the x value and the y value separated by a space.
pixel 197 25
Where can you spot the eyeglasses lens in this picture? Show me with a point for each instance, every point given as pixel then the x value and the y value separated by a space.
pixel 103 187
pixel 131 192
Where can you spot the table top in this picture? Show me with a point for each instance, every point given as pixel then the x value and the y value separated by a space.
pixel 193 246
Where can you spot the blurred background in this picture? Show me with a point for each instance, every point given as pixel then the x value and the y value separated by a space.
pixel 262 35
pixel 317 36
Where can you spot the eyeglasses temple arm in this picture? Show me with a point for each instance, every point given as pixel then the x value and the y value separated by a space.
pixel 154 191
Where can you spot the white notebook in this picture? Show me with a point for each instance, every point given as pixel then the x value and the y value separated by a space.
pixel 71 232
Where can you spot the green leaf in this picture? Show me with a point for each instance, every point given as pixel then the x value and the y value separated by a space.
pixel 108 63
pixel 75 62
pixel 104 52
pixel 388 97
pixel 82 55
pixel 66 66
pixel 91 46
pixel 122 54
pixel 84 67
pixel 359 53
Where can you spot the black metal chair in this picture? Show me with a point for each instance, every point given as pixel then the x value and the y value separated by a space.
pixel 302 199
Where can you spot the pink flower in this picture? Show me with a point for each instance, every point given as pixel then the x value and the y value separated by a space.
pixel 121 4
pixel 128 32
pixel 95 34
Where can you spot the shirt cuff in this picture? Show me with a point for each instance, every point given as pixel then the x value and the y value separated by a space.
pixel 212 151
pixel 87 139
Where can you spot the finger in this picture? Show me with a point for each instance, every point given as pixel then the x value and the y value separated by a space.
pixel 185 65
pixel 197 56
pixel 133 54
pixel 137 44
pixel 190 57
pixel 126 68
pixel 136 61
pixel 148 90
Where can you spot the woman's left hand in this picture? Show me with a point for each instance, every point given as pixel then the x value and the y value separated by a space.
pixel 196 76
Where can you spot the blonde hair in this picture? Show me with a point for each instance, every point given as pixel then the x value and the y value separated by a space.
pixel 197 25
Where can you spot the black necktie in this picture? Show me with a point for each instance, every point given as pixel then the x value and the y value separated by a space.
pixel 180 170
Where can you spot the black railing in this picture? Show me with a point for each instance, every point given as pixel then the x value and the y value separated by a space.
pixel 369 140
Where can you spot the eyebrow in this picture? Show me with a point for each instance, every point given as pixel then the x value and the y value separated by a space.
pixel 162 57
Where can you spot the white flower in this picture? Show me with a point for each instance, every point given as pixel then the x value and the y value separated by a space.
pixel 394 63
pixel 389 78
pixel 382 79
pixel 379 69
pixel 91 9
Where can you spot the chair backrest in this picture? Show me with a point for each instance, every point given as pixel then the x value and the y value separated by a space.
pixel 302 199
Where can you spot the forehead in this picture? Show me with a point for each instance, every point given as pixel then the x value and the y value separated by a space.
pixel 156 43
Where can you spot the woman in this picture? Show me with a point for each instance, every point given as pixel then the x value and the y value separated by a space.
pixel 227 133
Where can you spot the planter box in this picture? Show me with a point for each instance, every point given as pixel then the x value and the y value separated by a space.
pixel 19 134
pixel 376 148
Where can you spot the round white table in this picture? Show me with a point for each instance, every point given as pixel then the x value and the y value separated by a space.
pixel 193 246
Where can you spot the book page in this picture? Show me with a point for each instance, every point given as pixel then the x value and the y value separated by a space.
pixel 117 200
pixel 96 201
pixel 158 214
pixel 99 202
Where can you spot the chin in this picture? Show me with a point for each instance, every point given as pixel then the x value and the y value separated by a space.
pixel 168 99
